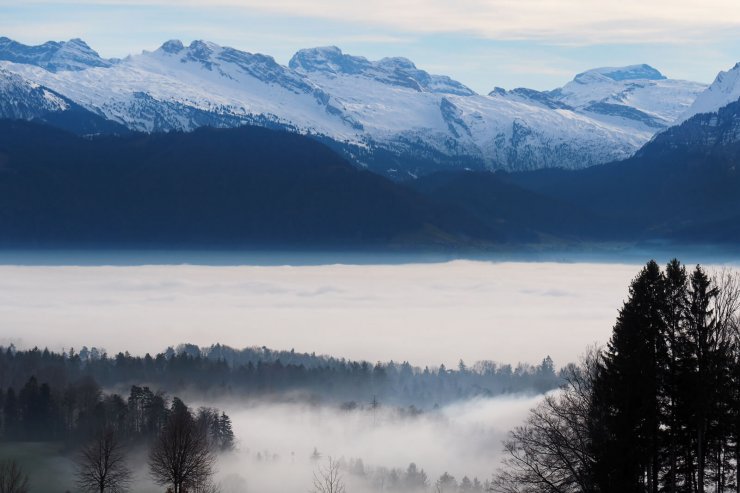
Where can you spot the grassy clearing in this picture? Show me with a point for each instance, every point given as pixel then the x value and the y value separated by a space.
pixel 48 468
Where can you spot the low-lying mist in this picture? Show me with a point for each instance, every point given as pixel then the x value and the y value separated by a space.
pixel 280 446
pixel 277 442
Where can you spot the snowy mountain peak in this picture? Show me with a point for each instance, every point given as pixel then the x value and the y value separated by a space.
pixel 172 46
pixel 386 114
pixel 54 56
pixel 331 62
pixel 638 94
pixel 328 60
pixel 397 63
pixel 202 50
pixel 724 90
pixel 231 64
pixel 620 74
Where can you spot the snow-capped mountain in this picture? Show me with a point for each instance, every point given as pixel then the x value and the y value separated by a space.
pixel 386 114
pixel 21 99
pixel 724 90
pixel 54 56
pixel 634 95
pixel 332 63
pixel 24 100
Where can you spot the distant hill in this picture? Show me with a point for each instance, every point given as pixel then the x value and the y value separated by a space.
pixel 519 214
pixel 244 187
pixel 252 187
pixel 682 187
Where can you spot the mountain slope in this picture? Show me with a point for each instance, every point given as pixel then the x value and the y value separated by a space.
pixel 387 115
pixel 724 90
pixel 637 96
pixel 24 100
pixel 251 188
pixel 681 185
pixel 246 187
pixel 54 56
pixel 523 216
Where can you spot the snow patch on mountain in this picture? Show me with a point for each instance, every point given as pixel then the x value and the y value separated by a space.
pixel 396 71
pixel 54 56
pixel 724 90
pixel 24 100
pixel 638 93
pixel 630 72
pixel 636 96
pixel 388 106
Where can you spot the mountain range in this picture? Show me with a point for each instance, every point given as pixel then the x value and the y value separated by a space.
pixel 251 187
pixel 387 115
pixel 205 146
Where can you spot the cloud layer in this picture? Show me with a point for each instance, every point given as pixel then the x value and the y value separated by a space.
pixel 425 313
pixel 483 43
pixel 562 21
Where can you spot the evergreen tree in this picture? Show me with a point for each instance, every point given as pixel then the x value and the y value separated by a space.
pixel 663 412
pixel 674 438
pixel 226 432
pixel 10 412
pixel 626 412
pixel 706 369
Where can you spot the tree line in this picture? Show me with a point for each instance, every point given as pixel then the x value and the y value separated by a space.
pixel 337 475
pixel 656 410
pixel 220 371
pixel 75 413
pixel 182 452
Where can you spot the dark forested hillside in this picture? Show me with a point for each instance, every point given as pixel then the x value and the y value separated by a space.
pixel 245 187
pixel 520 215
pixel 683 187
pixel 256 188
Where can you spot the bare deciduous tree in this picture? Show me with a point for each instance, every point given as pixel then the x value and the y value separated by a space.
pixel 727 303
pixel 181 456
pixel 550 452
pixel 101 465
pixel 328 479
pixel 12 478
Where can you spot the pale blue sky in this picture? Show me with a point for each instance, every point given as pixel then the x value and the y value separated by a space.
pixel 482 43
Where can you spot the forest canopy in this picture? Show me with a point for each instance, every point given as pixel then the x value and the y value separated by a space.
pixel 657 410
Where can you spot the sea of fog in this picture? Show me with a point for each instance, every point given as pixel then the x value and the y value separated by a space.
pixel 426 313
pixel 277 440
pixel 276 443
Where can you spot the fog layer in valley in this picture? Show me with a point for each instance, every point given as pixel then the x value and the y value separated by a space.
pixel 277 445
pixel 276 441
pixel 423 313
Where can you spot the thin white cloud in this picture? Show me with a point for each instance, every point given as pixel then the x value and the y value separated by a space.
pixel 562 21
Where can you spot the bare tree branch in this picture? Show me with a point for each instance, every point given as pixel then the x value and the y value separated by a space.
pixel 550 451
pixel 12 478
pixel 328 479
pixel 101 465
pixel 181 456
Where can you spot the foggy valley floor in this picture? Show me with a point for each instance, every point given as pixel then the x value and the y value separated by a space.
pixel 461 314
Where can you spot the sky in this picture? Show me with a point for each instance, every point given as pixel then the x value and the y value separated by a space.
pixel 539 44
